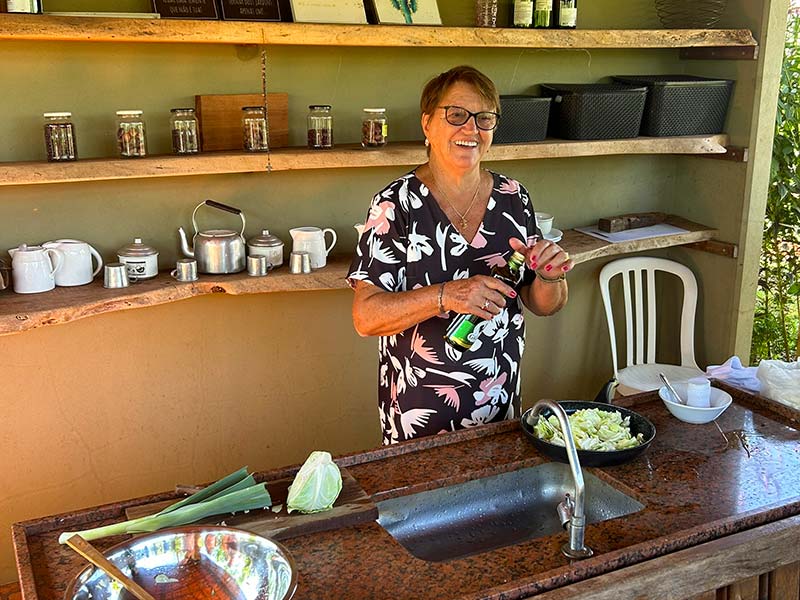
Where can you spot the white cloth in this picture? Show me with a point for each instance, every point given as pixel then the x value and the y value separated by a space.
pixel 733 372
pixel 780 381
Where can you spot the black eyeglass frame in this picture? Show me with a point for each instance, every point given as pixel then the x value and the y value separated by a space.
pixel 474 115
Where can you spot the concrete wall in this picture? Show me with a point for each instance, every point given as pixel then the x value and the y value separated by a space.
pixel 130 403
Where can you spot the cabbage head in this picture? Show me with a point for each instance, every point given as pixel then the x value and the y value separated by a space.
pixel 316 485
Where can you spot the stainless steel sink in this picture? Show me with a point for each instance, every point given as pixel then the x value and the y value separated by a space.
pixel 493 512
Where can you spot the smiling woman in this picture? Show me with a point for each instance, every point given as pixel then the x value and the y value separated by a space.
pixel 434 243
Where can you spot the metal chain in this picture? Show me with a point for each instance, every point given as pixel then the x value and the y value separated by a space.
pixel 265 103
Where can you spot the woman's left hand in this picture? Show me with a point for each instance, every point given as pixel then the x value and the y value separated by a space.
pixel 549 260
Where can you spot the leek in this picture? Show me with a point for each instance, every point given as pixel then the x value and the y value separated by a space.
pixel 235 492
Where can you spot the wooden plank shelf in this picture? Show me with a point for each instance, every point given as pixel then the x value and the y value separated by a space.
pixel 22 312
pixel 100 29
pixel 345 156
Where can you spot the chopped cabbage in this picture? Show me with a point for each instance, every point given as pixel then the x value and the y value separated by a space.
pixel 592 429
pixel 316 485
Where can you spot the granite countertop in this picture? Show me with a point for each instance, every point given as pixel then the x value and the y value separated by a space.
pixel 697 482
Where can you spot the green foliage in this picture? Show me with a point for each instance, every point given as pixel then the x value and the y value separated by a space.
pixel 776 330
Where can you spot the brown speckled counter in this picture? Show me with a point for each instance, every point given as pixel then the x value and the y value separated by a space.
pixel 697 483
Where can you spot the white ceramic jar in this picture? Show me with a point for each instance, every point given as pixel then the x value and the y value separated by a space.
pixel 140 260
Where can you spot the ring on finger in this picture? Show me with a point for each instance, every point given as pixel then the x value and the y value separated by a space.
pixel 485 304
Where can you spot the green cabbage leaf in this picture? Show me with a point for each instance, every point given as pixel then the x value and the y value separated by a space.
pixel 592 429
pixel 316 485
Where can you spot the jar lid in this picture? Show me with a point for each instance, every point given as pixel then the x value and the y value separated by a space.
pixel 57 115
pixel 265 240
pixel 319 106
pixel 180 110
pixel 137 248
pixel 261 108
pixel 129 113
pixel 374 110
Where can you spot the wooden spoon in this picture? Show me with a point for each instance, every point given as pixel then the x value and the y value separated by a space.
pixel 94 556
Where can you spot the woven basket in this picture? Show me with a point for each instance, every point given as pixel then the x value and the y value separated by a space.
pixel 689 14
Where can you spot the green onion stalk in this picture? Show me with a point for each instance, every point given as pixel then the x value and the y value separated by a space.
pixel 233 493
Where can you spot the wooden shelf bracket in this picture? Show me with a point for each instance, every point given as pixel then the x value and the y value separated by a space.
pixel 716 247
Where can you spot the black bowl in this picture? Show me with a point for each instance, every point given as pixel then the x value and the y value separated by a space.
pixel 593 458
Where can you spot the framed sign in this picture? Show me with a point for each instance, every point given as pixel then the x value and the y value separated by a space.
pixel 329 11
pixel 250 10
pixel 407 12
pixel 186 9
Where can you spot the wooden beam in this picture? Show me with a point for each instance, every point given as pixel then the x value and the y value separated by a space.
pixel 720 53
pixel 98 29
pixel 342 156
pixel 716 247
pixel 732 153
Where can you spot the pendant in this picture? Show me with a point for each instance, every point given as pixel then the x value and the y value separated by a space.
pixel 463 223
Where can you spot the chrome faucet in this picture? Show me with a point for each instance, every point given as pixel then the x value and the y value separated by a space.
pixel 570 510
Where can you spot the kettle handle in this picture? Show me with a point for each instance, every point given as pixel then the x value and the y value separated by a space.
pixel 220 206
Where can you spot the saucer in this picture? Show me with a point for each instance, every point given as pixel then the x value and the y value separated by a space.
pixel 554 235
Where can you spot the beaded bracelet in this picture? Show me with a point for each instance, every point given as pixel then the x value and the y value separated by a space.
pixel 561 277
pixel 439 299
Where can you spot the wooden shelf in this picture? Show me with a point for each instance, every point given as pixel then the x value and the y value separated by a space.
pixel 21 312
pixel 346 156
pixel 97 29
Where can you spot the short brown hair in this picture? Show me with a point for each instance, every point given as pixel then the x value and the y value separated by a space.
pixel 437 87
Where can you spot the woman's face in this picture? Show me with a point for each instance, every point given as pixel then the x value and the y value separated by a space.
pixel 459 146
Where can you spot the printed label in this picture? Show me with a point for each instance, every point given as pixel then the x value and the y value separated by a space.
pixel 568 17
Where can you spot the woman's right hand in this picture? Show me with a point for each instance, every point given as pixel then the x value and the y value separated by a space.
pixel 479 295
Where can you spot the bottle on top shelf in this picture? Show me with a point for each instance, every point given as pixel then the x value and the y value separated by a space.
pixel 523 13
pixel 23 6
pixel 542 14
pixel 565 14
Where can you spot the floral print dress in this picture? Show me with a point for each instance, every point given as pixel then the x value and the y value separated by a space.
pixel 424 385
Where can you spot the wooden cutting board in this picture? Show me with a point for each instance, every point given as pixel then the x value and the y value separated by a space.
pixel 220 119
pixel 352 507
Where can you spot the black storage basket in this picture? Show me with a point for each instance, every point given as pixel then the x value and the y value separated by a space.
pixel 595 111
pixel 522 119
pixel 682 104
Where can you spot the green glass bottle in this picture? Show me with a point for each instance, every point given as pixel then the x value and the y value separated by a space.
pixel 460 333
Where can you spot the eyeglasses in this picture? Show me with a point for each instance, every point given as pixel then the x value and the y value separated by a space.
pixel 484 120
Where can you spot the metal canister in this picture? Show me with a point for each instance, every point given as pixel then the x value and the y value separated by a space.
pixel 139 259
pixel 266 244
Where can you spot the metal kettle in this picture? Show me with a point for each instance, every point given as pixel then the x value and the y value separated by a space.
pixel 216 250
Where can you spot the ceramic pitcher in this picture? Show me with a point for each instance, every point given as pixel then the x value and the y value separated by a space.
pixel 77 267
pixel 312 240
pixel 33 268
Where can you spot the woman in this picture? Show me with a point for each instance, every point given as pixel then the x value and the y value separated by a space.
pixel 429 243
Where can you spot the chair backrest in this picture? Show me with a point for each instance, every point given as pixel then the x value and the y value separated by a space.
pixel 639 270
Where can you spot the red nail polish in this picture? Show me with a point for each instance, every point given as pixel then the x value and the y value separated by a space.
pixel 565 268
pixel 548 268
pixel 533 264
pixel 513 294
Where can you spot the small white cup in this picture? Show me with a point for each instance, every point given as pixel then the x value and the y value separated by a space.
pixel 544 221
pixel 698 392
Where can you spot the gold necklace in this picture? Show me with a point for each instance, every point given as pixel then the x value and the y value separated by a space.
pixel 461 216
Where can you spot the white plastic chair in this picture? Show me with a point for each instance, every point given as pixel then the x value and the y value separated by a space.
pixel 640 372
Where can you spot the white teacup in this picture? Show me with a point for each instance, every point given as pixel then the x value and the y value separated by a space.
pixel 77 266
pixel 312 240
pixel 544 221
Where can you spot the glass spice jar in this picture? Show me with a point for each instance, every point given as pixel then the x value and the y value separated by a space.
pixel 254 129
pixel 320 126
pixel 183 124
pixel 374 127
pixel 59 137
pixel 131 136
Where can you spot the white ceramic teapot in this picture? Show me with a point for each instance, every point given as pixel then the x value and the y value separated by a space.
pixel 77 267
pixel 33 268
pixel 312 240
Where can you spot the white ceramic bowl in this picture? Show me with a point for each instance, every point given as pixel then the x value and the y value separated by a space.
pixel 691 414
pixel 544 221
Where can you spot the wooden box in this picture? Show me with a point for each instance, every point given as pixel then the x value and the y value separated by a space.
pixel 220 119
